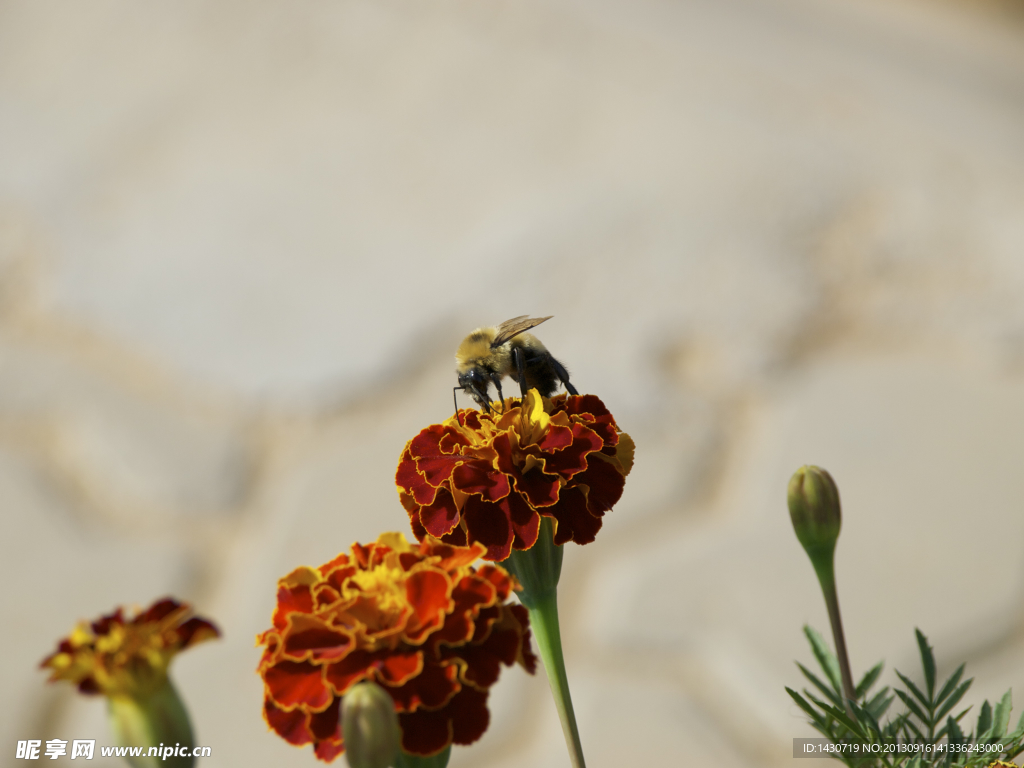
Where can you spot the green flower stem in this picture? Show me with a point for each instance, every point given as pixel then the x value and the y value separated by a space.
pixel 827 579
pixel 440 760
pixel 538 569
pixel 544 622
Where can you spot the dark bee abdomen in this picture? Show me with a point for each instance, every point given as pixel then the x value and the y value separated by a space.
pixel 541 374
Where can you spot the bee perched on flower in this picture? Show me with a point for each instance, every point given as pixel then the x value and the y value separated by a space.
pixel 127 661
pixel 417 620
pixel 489 478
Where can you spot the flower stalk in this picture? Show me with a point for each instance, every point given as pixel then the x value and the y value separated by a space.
pixel 538 569
pixel 827 579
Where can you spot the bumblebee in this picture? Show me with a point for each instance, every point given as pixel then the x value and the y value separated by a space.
pixel 488 355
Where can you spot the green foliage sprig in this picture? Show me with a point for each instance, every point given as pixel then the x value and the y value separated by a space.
pixel 929 729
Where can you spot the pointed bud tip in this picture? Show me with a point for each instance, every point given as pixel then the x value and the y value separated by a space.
pixel 815 511
pixel 369 726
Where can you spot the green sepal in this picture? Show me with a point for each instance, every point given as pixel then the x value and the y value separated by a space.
pixel 440 760
pixel 537 568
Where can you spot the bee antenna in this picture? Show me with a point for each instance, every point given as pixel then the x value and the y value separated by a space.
pixel 456 402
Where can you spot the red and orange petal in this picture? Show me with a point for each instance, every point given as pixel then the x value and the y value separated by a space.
pixel 488 478
pixel 416 619
pixel 113 656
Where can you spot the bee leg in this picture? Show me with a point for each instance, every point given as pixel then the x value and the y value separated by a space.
pixel 479 395
pixel 497 385
pixel 485 401
pixel 563 374
pixel 519 357
pixel 456 401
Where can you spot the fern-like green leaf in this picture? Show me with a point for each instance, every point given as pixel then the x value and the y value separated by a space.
pixel 914 689
pixel 868 680
pixel 1001 716
pixel 953 700
pixel 950 684
pixel 866 718
pixel 826 659
pixel 956 719
pixel 879 703
pixel 913 707
pixel 825 707
pixel 953 732
pixel 908 724
pixel 834 697
pixel 984 719
pixel 928 662
pixel 801 703
pixel 853 726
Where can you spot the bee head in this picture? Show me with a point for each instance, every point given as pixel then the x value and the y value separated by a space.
pixel 475 383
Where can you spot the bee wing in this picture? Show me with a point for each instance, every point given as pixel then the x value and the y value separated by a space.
pixel 515 326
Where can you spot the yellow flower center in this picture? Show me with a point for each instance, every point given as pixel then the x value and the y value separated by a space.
pixel 383 586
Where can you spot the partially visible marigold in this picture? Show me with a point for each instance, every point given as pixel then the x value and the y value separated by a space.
pixel 488 477
pixel 114 656
pixel 417 619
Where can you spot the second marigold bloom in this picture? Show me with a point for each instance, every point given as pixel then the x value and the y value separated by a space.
pixel 115 656
pixel 416 619
pixel 488 477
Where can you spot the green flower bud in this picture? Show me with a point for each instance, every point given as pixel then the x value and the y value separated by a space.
pixel 814 510
pixel 154 719
pixel 369 727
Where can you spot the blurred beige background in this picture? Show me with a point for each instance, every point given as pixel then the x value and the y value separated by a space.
pixel 240 241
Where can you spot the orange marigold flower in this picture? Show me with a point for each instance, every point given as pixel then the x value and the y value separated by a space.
pixel 416 619
pixel 118 657
pixel 488 477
